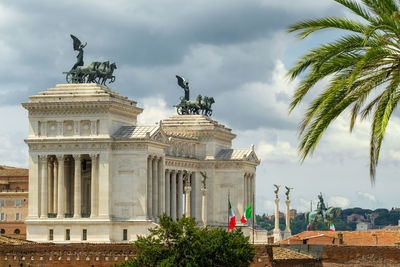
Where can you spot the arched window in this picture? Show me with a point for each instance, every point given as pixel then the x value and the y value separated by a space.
pixel 17 231
pixel 2 231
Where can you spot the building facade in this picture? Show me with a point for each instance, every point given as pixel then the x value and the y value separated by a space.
pixel 97 176
pixel 13 200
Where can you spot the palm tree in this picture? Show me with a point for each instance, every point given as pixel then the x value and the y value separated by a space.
pixel 363 69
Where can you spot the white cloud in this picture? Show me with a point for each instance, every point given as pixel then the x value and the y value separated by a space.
pixel 155 109
pixel 281 151
pixel 339 201
pixel 367 196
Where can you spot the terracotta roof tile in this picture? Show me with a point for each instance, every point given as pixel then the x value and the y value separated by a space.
pixel 280 253
pixel 371 238
pixel 6 171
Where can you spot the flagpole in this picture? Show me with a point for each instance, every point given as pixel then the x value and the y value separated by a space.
pixel 254 214
pixel 228 208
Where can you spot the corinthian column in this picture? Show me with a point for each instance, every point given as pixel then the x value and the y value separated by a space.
pixel 155 187
pixel 188 188
pixel 51 187
pixel 149 189
pixel 173 195
pixel 180 193
pixel 277 231
pixel 167 192
pixel 55 187
pixel 161 186
pixel 93 187
pixel 77 187
pixel 44 176
pixel 287 232
pixel 61 187
pixel 204 205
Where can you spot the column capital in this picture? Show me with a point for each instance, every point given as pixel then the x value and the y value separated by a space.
pixel 60 157
pixel 77 156
pixel 43 158
pixel 93 156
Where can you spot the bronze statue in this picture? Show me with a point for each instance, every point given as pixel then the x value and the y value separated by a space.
pixel 182 82
pixel 186 177
pixel 322 214
pixel 78 46
pixel 188 107
pixel 95 72
pixel 204 180
pixel 287 192
pixel 277 190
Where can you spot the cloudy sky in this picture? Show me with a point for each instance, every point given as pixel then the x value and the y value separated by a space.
pixel 236 51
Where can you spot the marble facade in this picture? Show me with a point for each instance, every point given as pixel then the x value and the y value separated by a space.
pixel 96 176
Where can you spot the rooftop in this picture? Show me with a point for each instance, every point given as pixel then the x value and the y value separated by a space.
pixel 6 171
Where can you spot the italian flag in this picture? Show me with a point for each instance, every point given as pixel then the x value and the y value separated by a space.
pixel 246 214
pixel 332 227
pixel 232 220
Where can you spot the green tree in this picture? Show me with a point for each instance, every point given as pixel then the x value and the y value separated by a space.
pixel 363 69
pixel 183 243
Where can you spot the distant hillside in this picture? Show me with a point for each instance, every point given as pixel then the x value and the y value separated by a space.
pixel 346 222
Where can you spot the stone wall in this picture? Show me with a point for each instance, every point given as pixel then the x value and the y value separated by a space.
pixel 100 255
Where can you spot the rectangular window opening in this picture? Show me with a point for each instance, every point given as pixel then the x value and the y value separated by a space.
pixel 125 234
pixel 18 203
pixel 84 234
pixel 2 202
pixel 67 234
pixel 51 234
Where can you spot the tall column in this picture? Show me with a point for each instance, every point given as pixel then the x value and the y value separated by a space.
pixel 246 193
pixel 61 188
pixel 77 187
pixel 155 187
pixel 51 187
pixel 180 193
pixel 93 187
pixel 277 231
pixel 287 233
pixel 161 186
pixel 173 195
pixel 44 178
pixel 55 187
pixel 149 188
pixel 188 188
pixel 204 205
pixel 167 192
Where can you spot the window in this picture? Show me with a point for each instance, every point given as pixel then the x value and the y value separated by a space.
pixel 2 231
pixel 3 216
pixel 125 234
pixel 84 234
pixel 18 203
pixel 67 234
pixel 2 202
pixel 51 234
pixel 17 231
pixel 17 216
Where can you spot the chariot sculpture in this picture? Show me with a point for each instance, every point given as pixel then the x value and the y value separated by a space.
pixel 95 72
pixel 201 105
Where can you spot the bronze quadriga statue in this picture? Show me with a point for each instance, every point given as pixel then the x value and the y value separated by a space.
pixel 202 105
pixel 95 72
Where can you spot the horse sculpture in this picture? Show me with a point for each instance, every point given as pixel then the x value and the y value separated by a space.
pixel 322 214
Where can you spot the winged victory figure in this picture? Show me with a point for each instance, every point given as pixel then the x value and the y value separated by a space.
pixel 78 46
pixel 287 192
pixel 277 190
pixel 182 82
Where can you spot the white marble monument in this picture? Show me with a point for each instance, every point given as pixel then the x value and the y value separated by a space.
pixel 97 176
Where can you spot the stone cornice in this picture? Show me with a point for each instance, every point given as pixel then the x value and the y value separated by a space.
pixel 86 107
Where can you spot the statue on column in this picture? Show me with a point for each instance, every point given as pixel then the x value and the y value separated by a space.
pixel 276 190
pixel 287 192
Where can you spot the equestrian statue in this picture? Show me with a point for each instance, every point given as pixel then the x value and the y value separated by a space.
pixel 322 215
